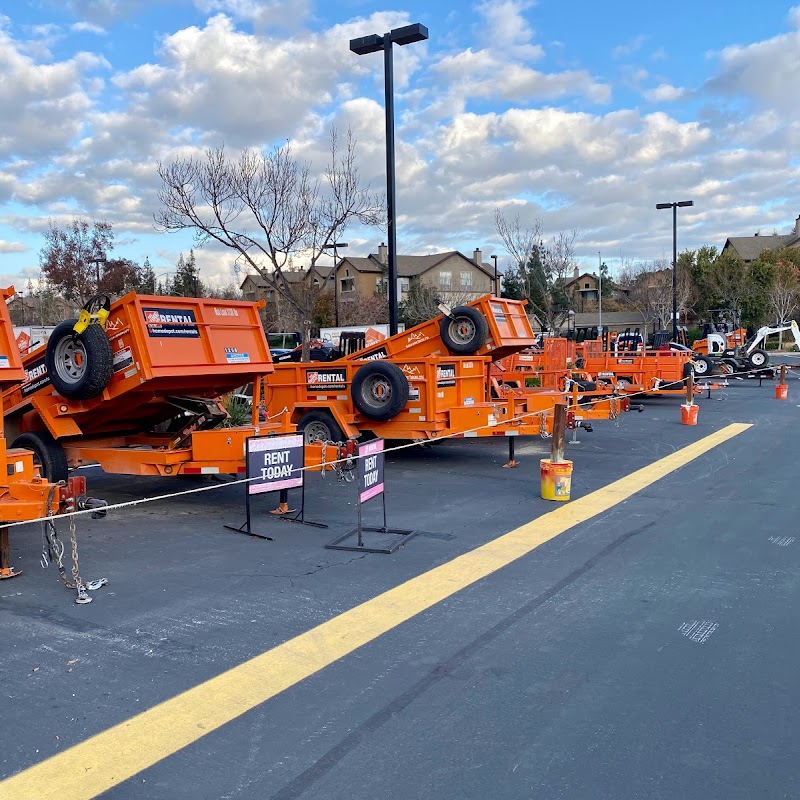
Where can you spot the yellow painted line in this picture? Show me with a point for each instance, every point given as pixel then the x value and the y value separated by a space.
pixel 107 759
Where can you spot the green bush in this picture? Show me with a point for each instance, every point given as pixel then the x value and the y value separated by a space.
pixel 238 409
pixel 533 382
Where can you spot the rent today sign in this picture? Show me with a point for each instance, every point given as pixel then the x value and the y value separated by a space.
pixel 274 463
pixel 370 469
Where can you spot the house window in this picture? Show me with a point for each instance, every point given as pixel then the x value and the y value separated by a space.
pixel 348 284
pixel 586 285
pixel 466 281
pixel 315 283
pixel 405 284
pixel 445 280
pixel 381 286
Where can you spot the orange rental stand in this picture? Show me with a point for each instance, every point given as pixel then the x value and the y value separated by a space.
pixel 140 396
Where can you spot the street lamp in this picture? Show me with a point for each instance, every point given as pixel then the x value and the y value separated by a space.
pixel 98 260
pixel 675 207
pixel 599 293
pixel 361 47
pixel 335 246
pixel 496 285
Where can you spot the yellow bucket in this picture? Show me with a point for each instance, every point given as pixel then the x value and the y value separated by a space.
pixel 556 479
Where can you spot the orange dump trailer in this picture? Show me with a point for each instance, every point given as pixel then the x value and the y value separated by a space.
pixel 425 383
pixel 138 394
pixel 24 493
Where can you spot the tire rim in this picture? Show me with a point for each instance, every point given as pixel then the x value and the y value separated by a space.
pixel 462 330
pixel 701 368
pixel 317 432
pixel 623 384
pixel 378 390
pixel 727 369
pixel 70 360
pixel 757 360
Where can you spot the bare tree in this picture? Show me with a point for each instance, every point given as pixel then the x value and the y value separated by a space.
pixel 267 207
pixel 423 299
pixel 648 290
pixel 520 243
pixel 558 262
pixel 783 294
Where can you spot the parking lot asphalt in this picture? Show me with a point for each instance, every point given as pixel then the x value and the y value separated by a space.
pixel 646 652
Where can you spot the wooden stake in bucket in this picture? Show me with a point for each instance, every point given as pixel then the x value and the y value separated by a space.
pixel 782 388
pixel 689 410
pixel 555 473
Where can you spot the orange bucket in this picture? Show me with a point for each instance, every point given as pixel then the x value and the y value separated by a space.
pixel 556 479
pixel 781 391
pixel 689 414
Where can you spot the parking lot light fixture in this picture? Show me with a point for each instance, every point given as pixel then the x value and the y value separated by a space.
pixel 362 46
pixel 674 207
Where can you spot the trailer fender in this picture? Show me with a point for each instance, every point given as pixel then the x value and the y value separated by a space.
pixel 380 390
pixel 464 331
pixel 79 364
pixel 47 453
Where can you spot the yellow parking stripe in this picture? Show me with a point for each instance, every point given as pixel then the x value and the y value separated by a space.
pixel 107 759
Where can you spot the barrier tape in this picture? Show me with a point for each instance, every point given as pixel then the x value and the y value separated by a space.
pixel 459 434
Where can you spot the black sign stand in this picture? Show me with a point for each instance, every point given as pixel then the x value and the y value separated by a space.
pixel 261 483
pixel 371 484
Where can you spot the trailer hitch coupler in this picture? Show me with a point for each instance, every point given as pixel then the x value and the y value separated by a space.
pixel 84 503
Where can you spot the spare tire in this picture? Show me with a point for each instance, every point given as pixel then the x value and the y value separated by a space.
pixel 464 331
pixel 79 366
pixel 379 390
pixel 47 453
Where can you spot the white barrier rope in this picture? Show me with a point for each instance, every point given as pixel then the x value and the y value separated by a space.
pixel 355 457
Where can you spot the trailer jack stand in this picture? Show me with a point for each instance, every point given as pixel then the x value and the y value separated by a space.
pixel 6 570
pixel 512 462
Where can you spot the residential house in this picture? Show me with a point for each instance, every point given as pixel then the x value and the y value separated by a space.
pixel 40 310
pixel 258 287
pixel 456 277
pixel 749 248
pixel 583 287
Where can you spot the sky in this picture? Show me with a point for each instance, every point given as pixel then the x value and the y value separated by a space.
pixel 580 115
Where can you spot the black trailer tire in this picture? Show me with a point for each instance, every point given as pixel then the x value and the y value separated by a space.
pixel 47 453
pixel 465 331
pixel 703 367
pixel 319 426
pixel 585 386
pixel 758 359
pixel 380 390
pixel 729 366
pixel 79 367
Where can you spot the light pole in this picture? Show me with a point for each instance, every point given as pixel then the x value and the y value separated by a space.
pixel 361 47
pixel 98 260
pixel 675 207
pixel 599 294
pixel 335 246
pixel 496 285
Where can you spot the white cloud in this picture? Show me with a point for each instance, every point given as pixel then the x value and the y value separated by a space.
pixel 665 93
pixel 12 247
pixel 87 27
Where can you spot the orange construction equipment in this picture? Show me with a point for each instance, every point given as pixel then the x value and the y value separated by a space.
pixel 425 383
pixel 134 386
pixel 24 493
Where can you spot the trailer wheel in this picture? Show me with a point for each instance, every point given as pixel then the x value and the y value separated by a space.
pixel 320 426
pixel 465 331
pixel 47 453
pixel 79 367
pixel 728 366
pixel 703 366
pixel 688 369
pixel 379 390
pixel 757 359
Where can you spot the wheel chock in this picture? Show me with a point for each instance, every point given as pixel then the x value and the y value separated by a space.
pixel 9 572
pixel 283 508
pixel 511 464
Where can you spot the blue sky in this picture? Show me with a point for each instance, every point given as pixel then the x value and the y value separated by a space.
pixel 579 116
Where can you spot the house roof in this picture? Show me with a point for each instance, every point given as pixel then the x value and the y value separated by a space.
pixel 290 275
pixel 749 248
pixel 411 266
pixel 569 283
pixel 631 318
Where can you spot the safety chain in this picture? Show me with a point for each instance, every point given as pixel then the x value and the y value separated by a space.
pixel 613 409
pixel 343 465
pixel 53 549
pixel 543 426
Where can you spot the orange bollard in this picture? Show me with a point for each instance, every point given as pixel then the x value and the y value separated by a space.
pixel 782 388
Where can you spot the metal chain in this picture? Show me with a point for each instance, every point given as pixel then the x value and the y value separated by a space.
pixel 83 595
